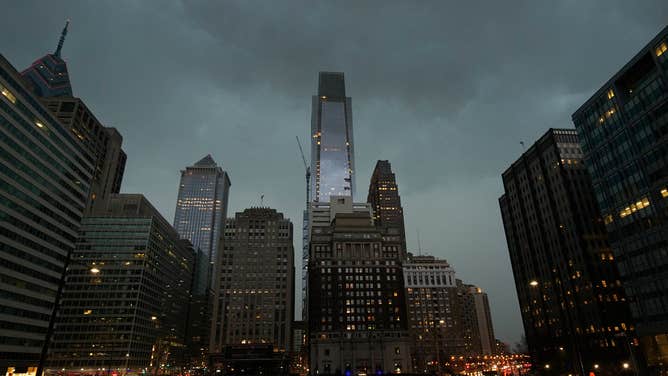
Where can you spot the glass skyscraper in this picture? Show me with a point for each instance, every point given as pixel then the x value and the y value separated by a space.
pixel 332 162
pixel 332 157
pixel 201 209
pixel 623 131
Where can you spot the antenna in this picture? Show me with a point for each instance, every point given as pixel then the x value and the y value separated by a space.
pixel 523 147
pixel 419 244
pixel 62 39
pixel 261 201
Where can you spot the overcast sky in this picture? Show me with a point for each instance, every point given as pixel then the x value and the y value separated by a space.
pixel 445 90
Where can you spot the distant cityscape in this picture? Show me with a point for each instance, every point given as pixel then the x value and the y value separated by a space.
pixel 95 282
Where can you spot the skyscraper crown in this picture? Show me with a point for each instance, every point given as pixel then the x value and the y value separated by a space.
pixel 331 84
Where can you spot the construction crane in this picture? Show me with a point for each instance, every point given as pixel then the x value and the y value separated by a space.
pixel 308 172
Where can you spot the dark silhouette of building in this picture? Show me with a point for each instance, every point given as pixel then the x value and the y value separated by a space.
pixel 623 130
pixel 45 176
pixel 201 211
pixel 573 306
pixel 357 319
pixel 257 280
pixel 126 295
pixel 385 201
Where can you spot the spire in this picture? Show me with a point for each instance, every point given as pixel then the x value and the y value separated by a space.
pixel 62 39
pixel 207 161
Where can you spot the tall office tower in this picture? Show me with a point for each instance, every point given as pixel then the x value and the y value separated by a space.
pixel 567 283
pixel 257 280
pixel 201 210
pixel 332 157
pixel 48 79
pixel 434 314
pixel 357 315
pixel 622 130
pixel 476 319
pixel 385 201
pixel 44 178
pixel 332 153
pixel 126 294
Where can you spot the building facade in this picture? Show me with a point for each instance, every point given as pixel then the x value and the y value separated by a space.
pixel 44 179
pixel 332 156
pixel 476 321
pixel 357 319
pixel 126 294
pixel 257 280
pixel 384 199
pixel 434 313
pixel 623 129
pixel 569 290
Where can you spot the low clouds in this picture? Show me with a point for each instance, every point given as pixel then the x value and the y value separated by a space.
pixel 443 89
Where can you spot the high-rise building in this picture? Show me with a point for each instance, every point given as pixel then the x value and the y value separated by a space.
pixel 201 210
pixel 48 78
pixel 622 130
pixel 257 280
pixel 44 179
pixel 332 157
pixel 476 320
pixel 126 294
pixel 434 313
pixel 357 318
pixel 385 201
pixel 572 303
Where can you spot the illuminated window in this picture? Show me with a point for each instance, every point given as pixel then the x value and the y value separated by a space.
pixel 664 192
pixel 8 94
pixel 611 94
pixel 661 49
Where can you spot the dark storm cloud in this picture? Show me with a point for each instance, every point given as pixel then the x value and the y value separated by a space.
pixel 444 89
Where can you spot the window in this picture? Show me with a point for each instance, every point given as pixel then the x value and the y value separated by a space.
pixel 659 50
pixel 8 94
pixel 611 94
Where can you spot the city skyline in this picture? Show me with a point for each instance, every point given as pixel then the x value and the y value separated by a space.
pixel 458 240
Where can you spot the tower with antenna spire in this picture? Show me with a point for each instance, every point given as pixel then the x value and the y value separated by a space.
pixel 48 75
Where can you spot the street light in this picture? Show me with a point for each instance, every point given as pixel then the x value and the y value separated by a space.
pixel 625 366
pixel 533 283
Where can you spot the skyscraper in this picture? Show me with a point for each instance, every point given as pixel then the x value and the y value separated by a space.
pixel 572 303
pixel 332 153
pixel 126 293
pixel 257 280
pixel 49 80
pixel 357 320
pixel 434 312
pixel 44 179
pixel 385 201
pixel 201 209
pixel 622 130
pixel 332 157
